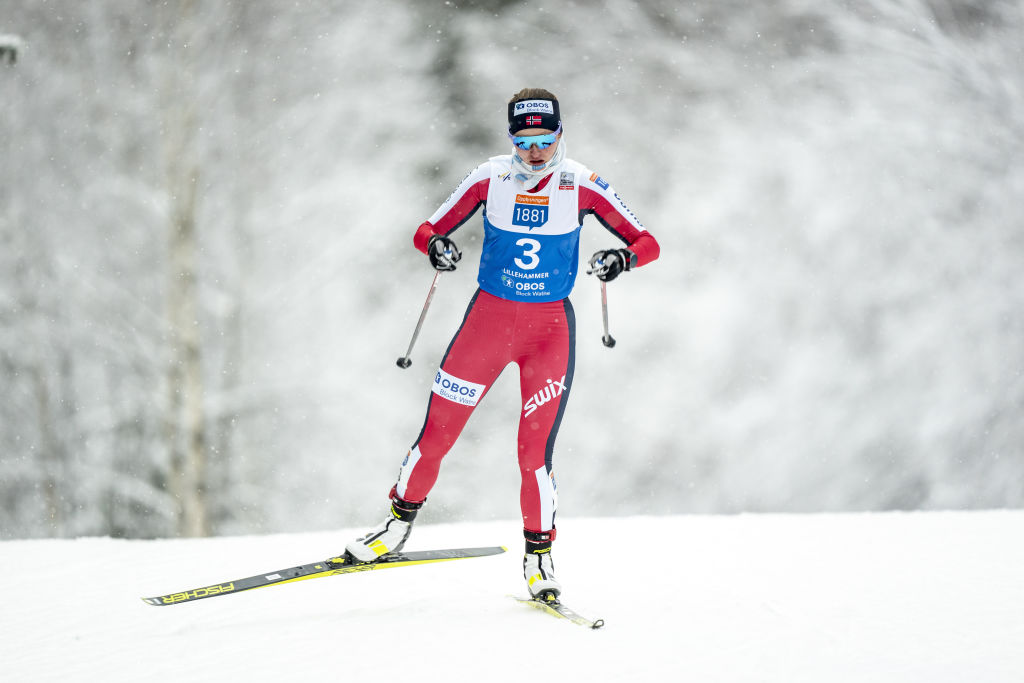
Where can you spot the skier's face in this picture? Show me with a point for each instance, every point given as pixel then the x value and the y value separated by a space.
pixel 535 156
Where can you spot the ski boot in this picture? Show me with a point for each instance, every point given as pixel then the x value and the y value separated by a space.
pixel 387 537
pixel 538 569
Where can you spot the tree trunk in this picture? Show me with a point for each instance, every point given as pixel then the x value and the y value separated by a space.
pixel 186 423
pixel 187 426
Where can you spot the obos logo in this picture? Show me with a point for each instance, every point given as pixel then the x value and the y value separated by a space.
pixel 458 390
pixel 534 106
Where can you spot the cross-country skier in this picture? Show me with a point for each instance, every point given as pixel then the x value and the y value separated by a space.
pixel 534 203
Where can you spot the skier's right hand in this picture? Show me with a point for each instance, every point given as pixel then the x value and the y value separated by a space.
pixel 443 253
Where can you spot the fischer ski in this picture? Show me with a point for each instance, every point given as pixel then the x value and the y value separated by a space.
pixel 549 602
pixel 316 570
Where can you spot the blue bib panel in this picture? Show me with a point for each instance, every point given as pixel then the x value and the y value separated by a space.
pixel 531 248
pixel 524 267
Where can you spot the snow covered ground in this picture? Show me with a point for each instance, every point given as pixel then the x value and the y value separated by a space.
pixel 929 597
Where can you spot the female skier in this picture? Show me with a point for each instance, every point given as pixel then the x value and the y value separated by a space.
pixel 534 203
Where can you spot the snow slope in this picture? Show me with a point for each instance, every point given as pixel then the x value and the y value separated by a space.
pixel 928 597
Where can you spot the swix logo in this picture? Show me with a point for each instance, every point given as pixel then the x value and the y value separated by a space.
pixel 455 191
pixel 627 210
pixel 552 391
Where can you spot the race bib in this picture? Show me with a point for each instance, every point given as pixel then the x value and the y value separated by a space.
pixel 530 211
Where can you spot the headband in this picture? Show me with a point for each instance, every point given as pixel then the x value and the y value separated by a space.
pixel 533 114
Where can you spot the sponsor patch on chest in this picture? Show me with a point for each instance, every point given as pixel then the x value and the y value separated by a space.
pixel 567 181
pixel 530 211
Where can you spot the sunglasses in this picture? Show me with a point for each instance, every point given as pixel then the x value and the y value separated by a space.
pixel 525 142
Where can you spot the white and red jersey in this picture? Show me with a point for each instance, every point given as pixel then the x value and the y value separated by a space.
pixel 520 314
pixel 531 238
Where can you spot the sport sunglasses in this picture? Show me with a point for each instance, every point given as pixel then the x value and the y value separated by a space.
pixel 525 142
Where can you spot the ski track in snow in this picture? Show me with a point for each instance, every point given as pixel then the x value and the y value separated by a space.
pixel 930 597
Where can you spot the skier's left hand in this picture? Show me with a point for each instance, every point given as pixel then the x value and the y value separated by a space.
pixel 608 263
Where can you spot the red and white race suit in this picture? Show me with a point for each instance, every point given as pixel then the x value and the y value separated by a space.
pixel 520 314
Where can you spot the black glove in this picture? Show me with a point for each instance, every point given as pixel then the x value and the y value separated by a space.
pixel 608 263
pixel 443 253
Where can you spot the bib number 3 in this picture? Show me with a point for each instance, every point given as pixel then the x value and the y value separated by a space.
pixel 530 249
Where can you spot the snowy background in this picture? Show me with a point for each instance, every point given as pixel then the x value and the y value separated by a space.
pixel 206 270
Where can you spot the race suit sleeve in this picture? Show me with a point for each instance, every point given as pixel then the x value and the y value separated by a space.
pixel 599 199
pixel 458 208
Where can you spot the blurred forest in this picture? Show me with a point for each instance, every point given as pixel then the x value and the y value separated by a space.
pixel 206 268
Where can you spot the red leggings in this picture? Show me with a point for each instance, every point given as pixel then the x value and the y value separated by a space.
pixel 541 339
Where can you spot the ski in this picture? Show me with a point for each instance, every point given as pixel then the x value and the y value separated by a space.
pixel 548 602
pixel 316 570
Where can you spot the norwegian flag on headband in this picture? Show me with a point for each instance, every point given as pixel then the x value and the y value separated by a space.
pixel 537 113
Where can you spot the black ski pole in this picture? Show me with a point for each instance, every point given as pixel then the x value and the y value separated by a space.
pixel 607 339
pixel 405 361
